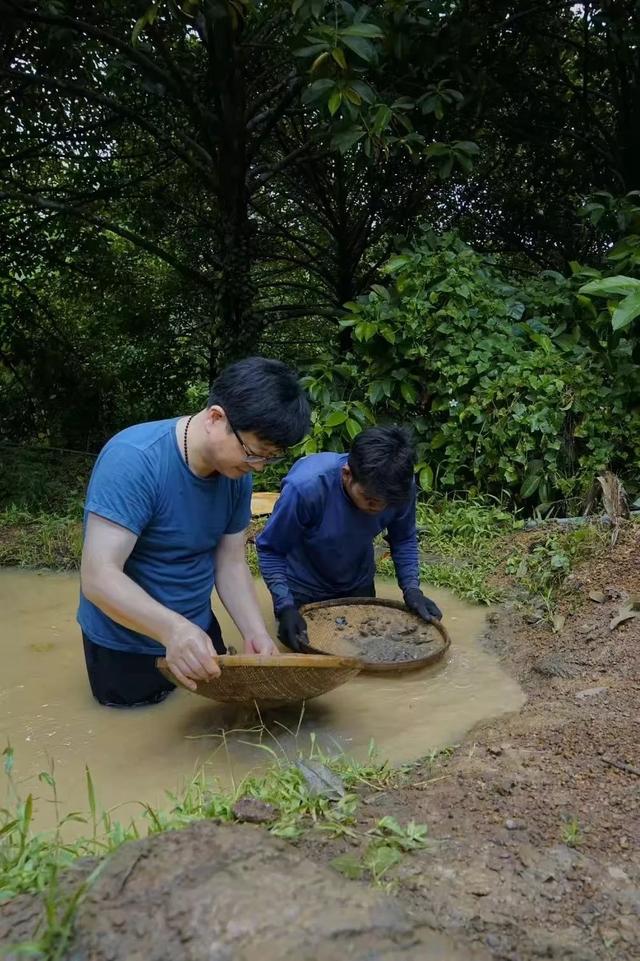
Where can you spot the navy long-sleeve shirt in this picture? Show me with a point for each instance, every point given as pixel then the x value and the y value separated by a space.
pixel 317 544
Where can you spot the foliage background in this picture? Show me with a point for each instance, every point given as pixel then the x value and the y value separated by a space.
pixel 430 208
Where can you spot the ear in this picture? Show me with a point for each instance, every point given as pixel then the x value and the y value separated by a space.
pixel 346 473
pixel 214 415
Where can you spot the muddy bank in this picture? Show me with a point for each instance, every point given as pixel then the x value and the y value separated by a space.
pixel 233 893
pixel 535 820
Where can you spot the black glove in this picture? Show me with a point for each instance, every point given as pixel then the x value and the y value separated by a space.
pixel 423 606
pixel 292 629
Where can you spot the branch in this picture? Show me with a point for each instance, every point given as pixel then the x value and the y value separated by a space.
pixel 80 26
pixel 41 203
pixel 120 109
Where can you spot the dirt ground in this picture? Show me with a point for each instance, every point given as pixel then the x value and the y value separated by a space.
pixel 534 827
pixel 535 819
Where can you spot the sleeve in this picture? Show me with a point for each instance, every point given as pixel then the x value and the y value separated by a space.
pixel 123 487
pixel 241 515
pixel 282 532
pixel 403 542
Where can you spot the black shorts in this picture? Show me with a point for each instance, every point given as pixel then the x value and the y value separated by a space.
pixel 119 679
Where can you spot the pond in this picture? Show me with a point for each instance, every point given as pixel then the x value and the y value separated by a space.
pixel 49 717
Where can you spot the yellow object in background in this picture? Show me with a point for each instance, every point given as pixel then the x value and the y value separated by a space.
pixel 263 503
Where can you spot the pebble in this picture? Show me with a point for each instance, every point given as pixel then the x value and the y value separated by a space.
pixel 590 692
pixel 512 824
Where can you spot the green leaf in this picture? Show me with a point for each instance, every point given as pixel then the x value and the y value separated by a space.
pixel 335 101
pixel 437 441
pixel 408 391
pixel 335 418
pixel 438 150
pixel 147 18
pixel 362 30
pixel 388 334
pixel 611 285
pixel 382 118
pixel 317 90
pixel 346 138
pixel 530 484
pixel 311 51
pixel 381 858
pixel 353 428
pixel 467 146
pixel 376 392
pixel 348 865
pixel 320 59
pixel 363 48
pixel 364 90
pixel 396 263
pixel 426 478
pixel 338 56
pixel 626 311
pixel 8 759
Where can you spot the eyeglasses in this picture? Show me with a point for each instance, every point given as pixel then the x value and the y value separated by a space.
pixel 250 456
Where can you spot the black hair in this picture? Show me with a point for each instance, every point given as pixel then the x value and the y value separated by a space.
pixel 382 461
pixel 265 397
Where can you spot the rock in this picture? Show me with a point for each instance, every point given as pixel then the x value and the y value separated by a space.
pixel 554 665
pixel 533 617
pixel 512 824
pixel 254 811
pixel 617 873
pixel 585 628
pixel 232 892
pixel 598 596
pixel 624 614
pixel 633 602
pixel 590 692
pixel 478 885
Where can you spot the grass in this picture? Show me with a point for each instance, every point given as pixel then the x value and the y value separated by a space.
pixel 39 540
pixel 542 566
pixel 461 536
pixel 572 832
pixel 316 794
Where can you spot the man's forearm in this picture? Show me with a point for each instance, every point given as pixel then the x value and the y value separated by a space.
pixel 406 562
pixel 273 567
pixel 236 590
pixel 126 603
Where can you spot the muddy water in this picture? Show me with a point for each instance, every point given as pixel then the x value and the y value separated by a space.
pixel 48 715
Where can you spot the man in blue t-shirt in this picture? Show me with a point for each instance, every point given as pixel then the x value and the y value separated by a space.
pixel 318 543
pixel 166 510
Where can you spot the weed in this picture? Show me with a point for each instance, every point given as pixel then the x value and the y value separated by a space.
pixel 462 537
pixel 572 832
pixel 39 540
pixel 389 842
pixel 542 567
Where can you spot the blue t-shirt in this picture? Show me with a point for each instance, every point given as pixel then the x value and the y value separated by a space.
pixel 318 545
pixel 140 481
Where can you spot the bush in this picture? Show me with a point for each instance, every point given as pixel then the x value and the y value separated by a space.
pixel 508 382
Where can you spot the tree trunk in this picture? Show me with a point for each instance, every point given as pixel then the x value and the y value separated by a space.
pixel 234 327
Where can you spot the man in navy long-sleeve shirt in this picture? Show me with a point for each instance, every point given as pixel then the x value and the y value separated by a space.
pixel 318 543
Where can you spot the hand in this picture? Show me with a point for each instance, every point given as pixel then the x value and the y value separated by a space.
pixel 190 654
pixel 423 606
pixel 260 644
pixel 292 629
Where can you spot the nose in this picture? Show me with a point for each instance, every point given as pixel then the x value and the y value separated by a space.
pixel 257 466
